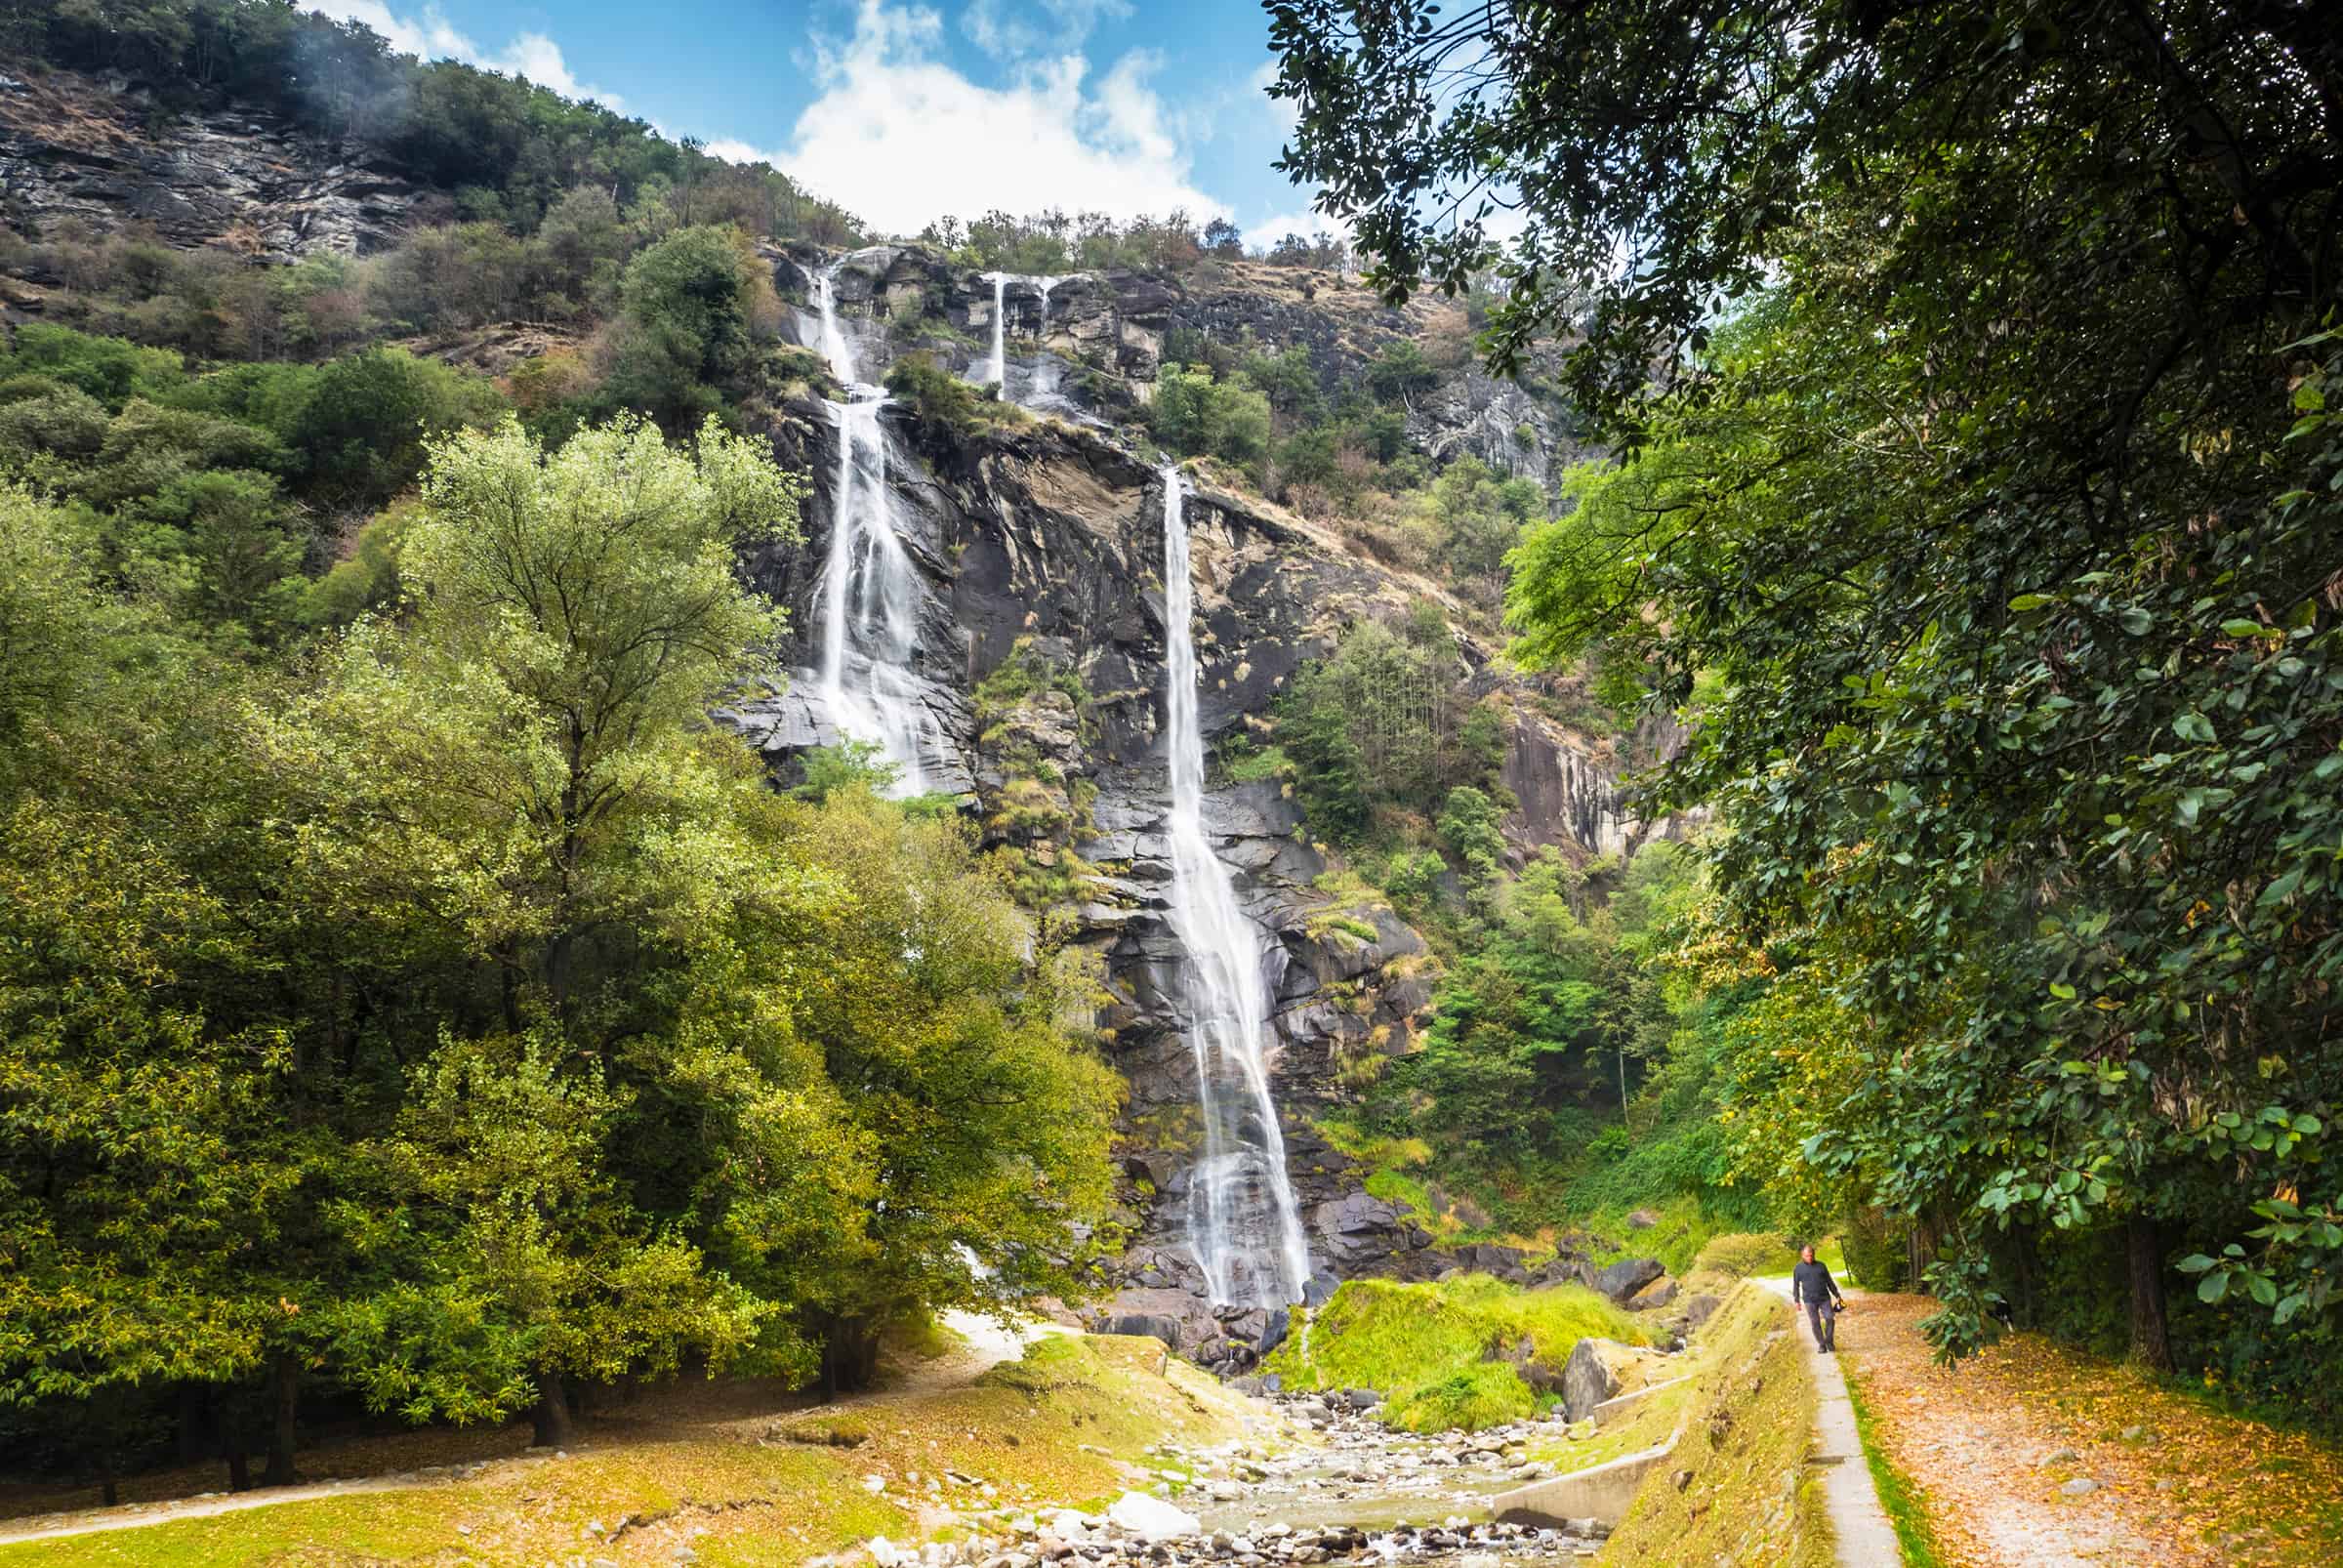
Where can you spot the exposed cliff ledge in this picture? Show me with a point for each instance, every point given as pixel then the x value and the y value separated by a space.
pixel 1095 342
pixel 75 149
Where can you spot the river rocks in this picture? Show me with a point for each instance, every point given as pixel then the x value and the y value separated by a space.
pixel 1589 1376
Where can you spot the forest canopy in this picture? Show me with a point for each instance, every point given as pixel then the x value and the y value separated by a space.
pixel 1979 371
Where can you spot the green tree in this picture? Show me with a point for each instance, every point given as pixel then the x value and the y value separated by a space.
pixel 695 309
pixel 1993 525
pixel 1195 415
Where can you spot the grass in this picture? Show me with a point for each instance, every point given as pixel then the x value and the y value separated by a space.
pixel 1748 1496
pixel 1054 1427
pixel 1426 1346
pixel 1907 1509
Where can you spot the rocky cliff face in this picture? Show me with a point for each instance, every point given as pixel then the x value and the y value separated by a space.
pixel 1041 553
pixel 78 150
pixel 1040 646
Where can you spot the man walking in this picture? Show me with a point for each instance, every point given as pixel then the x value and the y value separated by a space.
pixel 1811 1283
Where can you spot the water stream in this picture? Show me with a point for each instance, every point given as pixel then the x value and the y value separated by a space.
pixel 1243 1224
pixel 870 589
pixel 1041 391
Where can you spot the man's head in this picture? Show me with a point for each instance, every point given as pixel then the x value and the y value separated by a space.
pixel 1806 1253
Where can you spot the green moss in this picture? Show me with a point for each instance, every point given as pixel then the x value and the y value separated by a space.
pixel 1487 1393
pixel 1430 1346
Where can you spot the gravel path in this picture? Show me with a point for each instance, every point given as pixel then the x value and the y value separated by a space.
pixel 1995 1451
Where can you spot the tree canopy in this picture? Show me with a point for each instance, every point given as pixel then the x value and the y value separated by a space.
pixel 1985 496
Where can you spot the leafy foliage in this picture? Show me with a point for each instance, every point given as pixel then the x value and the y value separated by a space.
pixel 1994 515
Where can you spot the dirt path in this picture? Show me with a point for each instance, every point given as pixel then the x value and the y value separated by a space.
pixel 984 1345
pixel 2036 1457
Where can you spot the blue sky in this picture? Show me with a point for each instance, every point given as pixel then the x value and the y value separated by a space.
pixel 906 110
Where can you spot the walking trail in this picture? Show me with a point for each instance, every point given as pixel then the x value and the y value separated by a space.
pixel 1866 1540
pixel 982 1343
pixel 2034 1455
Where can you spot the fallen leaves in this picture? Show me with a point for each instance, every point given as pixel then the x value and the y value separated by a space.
pixel 1992 1445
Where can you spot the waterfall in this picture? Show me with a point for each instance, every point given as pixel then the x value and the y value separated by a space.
pixel 998 375
pixel 1041 391
pixel 1043 379
pixel 1242 1219
pixel 870 590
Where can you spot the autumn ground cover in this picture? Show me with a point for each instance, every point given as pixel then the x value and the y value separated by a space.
pixel 1987 1452
pixel 1063 1424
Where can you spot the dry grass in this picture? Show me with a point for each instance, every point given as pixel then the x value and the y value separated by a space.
pixel 1067 1425
pixel 1745 1494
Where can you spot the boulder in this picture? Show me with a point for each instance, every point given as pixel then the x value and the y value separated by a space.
pixel 1590 1376
pixel 1623 1279
pixel 1147 1326
pixel 1659 1293
pixel 1699 1309
pixel 1151 1518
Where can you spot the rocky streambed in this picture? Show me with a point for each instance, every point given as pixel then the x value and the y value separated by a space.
pixel 1354 1492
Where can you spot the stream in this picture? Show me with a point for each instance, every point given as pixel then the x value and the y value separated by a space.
pixel 1360 1493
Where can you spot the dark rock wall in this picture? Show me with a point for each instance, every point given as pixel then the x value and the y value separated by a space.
pixel 81 150
pixel 1049 535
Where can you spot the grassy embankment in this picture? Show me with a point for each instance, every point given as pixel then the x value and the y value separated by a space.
pixel 1428 1347
pixel 1737 1488
pixel 1059 1426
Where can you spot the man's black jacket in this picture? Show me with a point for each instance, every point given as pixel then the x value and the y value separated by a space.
pixel 1811 1283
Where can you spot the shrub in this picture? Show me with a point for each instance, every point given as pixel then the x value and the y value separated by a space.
pixel 1875 1243
pixel 943 407
pixel 1743 1255
pixel 1195 416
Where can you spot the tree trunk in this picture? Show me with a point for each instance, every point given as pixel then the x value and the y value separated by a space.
pixel 551 1416
pixel 849 1358
pixel 287 1380
pixel 239 1470
pixel 195 1412
pixel 2150 1344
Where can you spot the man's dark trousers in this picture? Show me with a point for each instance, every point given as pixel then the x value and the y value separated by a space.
pixel 1822 1318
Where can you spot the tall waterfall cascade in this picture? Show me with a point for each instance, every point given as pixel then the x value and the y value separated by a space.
pixel 1243 1222
pixel 1044 378
pixel 998 372
pixel 870 590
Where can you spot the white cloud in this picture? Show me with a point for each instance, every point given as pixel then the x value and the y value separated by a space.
pixel 901 137
pixel 1007 30
pixel 1305 222
pixel 428 35
pixel 1283 110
